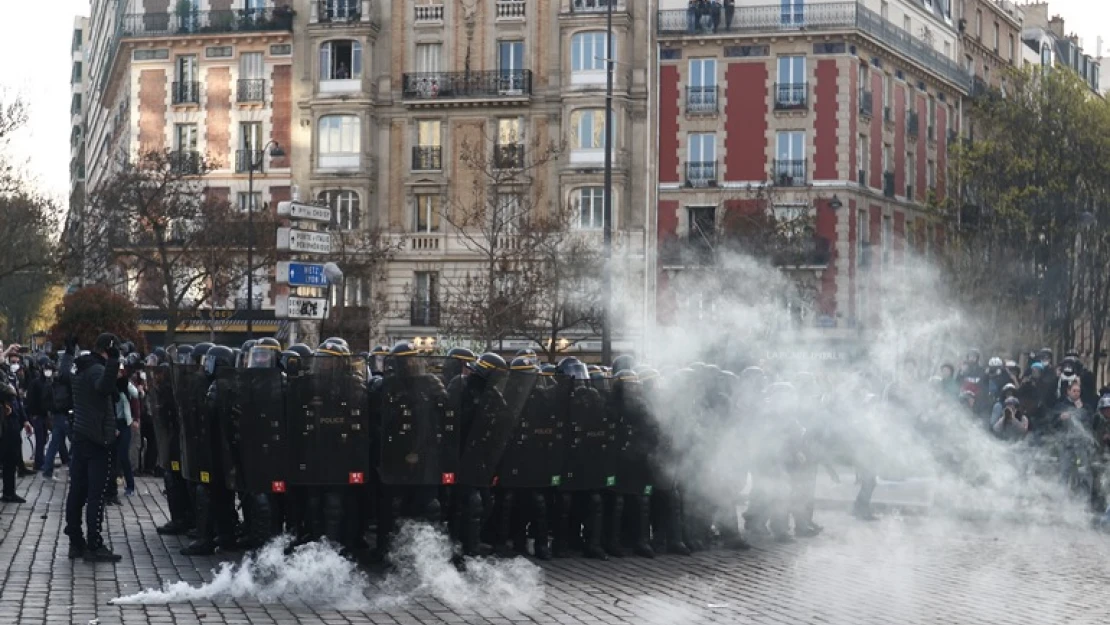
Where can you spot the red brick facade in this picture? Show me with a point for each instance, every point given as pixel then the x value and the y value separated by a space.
pixel 283 112
pixel 152 110
pixel 746 108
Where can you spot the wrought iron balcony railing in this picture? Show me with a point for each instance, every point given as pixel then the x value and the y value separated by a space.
pixel 251 90
pixel 791 96
pixel 185 162
pixel 824 16
pixel 492 84
pixel 188 21
pixel 185 93
pixel 509 156
pixel 423 313
pixel 245 159
pixel 790 172
pixel 701 100
pixel 427 158
pixel 803 252
pixel 701 173
pixel 338 11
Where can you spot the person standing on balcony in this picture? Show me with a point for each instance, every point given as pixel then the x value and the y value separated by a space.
pixel 730 12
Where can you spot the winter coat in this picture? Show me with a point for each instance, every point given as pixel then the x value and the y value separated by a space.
pixel 94 397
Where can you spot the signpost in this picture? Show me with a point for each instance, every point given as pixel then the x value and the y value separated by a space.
pixel 304 241
pixel 295 307
pixel 301 274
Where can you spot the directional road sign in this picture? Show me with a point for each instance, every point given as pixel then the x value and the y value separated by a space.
pixel 290 240
pixel 308 212
pixel 294 307
pixel 301 274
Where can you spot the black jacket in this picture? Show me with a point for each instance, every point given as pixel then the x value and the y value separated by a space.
pixel 94 394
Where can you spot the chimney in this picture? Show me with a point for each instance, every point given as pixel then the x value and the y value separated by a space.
pixel 1056 25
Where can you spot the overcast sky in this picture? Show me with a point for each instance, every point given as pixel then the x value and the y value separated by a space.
pixel 35 51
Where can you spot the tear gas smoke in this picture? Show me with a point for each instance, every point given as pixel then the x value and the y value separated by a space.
pixel 316 574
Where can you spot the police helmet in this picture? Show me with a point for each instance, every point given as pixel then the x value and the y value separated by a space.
pixel 573 369
pixel 1104 402
pixel 456 362
pixel 490 367
pixel 527 352
pixel 291 362
pixel 160 354
pixel 184 354
pixel 264 355
pixel 404 360
pixel 199 351
pixel 218 357
pixel 304 350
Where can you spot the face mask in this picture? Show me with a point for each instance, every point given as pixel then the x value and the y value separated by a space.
pixel 13 367
pixel 142 376
pixel 48 374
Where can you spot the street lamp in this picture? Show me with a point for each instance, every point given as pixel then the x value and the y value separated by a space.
pixel 607 212
pixel 255 162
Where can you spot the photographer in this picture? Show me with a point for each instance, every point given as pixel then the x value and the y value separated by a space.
pixel 127 424
pixel 1011 424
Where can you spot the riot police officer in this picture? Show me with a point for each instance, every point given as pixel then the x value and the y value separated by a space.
pixel 163 409
pixel 215 507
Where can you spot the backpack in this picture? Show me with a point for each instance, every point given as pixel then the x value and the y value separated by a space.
pixel 58 396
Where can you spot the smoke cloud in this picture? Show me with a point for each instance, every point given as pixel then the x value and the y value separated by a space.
pixel 316 574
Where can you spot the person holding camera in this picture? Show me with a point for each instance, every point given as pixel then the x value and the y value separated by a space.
pixel 94 436
pixel 1011 424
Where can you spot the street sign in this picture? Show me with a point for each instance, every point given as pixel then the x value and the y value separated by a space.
pixel 300 274
pixel 290 240
pixel 309 212
pixel 294 307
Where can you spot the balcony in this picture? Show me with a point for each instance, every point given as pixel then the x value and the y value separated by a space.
pixel 701 100
pixel 888 183
pixel 425 242
pixel 791 96
pixel 185 162
pixel 427 158
pixel 338 11
pixel 598 6
pixel 430 87
pixel 185 93
pixel 866 102
pixel 913 124
pixel 245 159
pixel 251 90
pixel 700 174
pixel 509 156
pixel 510 9
pixel 423 313
pixel 814 18
pixel 190 22
pixel 790 172
pixel 425 13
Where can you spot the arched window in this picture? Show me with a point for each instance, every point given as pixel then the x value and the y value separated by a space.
pixel 338 142
pixel 340 60
pixel 345 208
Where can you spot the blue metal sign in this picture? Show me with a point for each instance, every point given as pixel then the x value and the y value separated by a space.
pixel 306 274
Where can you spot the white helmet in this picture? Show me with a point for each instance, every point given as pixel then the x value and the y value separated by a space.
pixel 995 362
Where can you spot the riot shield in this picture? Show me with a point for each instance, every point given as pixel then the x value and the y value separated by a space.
pixel 259 448
pixel 536 452
pixel 190 386
pixel 591 451
pixel 221 406
pixel 329 429
pixel 636 442
pixel 488 436
pixel 163 412
pixel 418 432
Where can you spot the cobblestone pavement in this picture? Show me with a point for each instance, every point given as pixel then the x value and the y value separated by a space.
pixel 898 570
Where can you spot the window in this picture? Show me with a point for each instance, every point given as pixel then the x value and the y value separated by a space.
pixel 888 235
pixel 353 291
pixel 78 39
pixel 510 60
pixel 702 95
pixel 790 164
pixel 701 158
pixel 338 141
pixel 979 24
pixel 185 137
pixel 793 12
pixel 337 9
pixel 340 60
pixel 791 88
pixel 907 24
pixel 428 151
pixel 428 57
pixel 932 117
pixel 888 97
pixel 888 158
pixel 151 55
pixel 863 151
pixel 219 52
pixel 428 132
pixel 75 104
pixel 281 49
pixel 931 174
pixel 425 306
pixel 345 210
pixel 185 89
pixel 589 129
pixel 588 52
pixel 508 211
pixel 426 214
pixel 254 200
pixel 250 140
pixel 77 72
pixel 997 38
pixel 591 208
pixel 509 150
pixel 884 10
pixel 1011 47
pixel 911 174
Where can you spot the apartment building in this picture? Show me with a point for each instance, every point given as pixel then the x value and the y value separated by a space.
pixel 73 232
pixel 390 97
pixel 840 110
pixel 1049 38
pixel 991 36
pixel 201 78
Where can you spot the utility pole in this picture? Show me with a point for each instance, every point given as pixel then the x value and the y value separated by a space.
pixel 607 223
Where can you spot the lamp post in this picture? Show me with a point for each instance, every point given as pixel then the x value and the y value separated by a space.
pixel 255 162
pixel 607 217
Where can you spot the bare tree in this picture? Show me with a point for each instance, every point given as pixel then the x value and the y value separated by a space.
pixel 179 246
pixel 361 301
pixel 487 302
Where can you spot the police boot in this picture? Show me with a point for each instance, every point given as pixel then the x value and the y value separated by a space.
pixel 540 527
pixel 225 518
pixel 729 530
pixel 560 546
pixel 675 544
pixel 595 519
pixel 177 499
pixel 504 525
pixel 333 517
pixel 472 523
pixel 642 516
pixel 258 522
pixel 611 539
pixel 205 544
